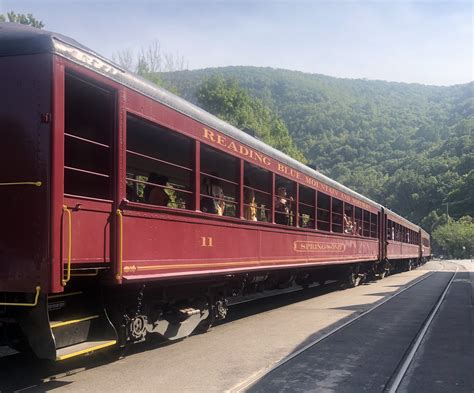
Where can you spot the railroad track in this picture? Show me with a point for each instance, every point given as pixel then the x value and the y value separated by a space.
pixel 284 374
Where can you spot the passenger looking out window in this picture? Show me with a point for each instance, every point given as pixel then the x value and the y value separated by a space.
pixel 257 193
pixel 348 225
pixel 213 203
pixel 251 205
pixel 154 192
pixel 282 206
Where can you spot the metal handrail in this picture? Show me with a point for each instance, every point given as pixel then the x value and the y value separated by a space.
pixel 64 281
pixel 23 183
pixel 118 276
pixel 34 304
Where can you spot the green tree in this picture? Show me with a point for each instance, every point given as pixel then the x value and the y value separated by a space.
pixel 23 19
pixel 456 238
pixel 228 101
pixel 409 147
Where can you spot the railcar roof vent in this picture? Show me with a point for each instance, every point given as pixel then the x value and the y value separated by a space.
pixel 251 132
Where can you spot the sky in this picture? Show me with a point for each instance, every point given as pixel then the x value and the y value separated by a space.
pixel 428 42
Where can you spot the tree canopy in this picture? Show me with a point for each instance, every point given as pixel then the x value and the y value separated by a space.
pixel 456 238
pixel 23 19
pixel 227 100
pixel 407 146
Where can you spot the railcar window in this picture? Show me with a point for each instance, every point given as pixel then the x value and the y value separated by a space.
pixel 358 221
pixel 219 182
pixel 324 205
pixel 284 201
pixel 306 207
pixel 373 225
pixel 392 229
pixel 88 135
pixel 366 223
pixel 349 225
pixel 337 215
pixel 159 165
pixel 257 193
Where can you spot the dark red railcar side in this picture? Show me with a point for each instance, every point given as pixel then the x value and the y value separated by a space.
pixel 109 269
pixel 25 159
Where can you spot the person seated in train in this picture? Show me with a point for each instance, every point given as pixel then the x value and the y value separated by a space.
pixel 213 203
pixel 250 208
pixel 155 193
pixel 282 206
pixel 131 193
pixel 348 225
pixel 356 229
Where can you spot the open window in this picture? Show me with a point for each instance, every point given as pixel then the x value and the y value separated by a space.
pixel 324 206
pixel 285 200
pixel 373 225
pixel 88 138
pixel 220 179
pixel 366 223
pixel 257 193
pixel 159 165
pixel 306 208
pixel 337 215
pixel 348 219
pixel 398 232
pixel 358 228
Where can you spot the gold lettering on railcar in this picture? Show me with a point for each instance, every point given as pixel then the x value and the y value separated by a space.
pixel 236 147
pixel 130 269
pixel 216 138
pixel 308 246
pixel 207 241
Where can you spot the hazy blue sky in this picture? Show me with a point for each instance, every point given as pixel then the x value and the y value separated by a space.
pixel 427 42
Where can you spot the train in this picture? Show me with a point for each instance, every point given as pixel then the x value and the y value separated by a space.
pixel 130 213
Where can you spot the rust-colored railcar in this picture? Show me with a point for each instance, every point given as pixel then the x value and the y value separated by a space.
pixel 129 211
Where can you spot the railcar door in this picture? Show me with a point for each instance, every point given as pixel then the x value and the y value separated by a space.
pixel 25 105
pixel 89 124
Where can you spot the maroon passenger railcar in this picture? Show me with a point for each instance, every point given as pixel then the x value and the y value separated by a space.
pixel 129 211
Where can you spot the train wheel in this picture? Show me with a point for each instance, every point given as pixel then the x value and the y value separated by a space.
pixel 353 278
pixel 204 326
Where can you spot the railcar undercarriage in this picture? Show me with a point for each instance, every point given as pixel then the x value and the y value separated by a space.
pixel 90 316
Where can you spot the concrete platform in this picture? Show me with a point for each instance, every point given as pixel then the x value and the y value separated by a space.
pixel 256 336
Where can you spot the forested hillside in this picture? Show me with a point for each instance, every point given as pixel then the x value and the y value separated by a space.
pixel 407 146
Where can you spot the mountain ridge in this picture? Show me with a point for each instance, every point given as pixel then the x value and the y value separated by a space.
pixel 407 145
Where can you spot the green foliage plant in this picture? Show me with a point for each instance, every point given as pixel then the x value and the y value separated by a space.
pixel 23 19
pixel 456 238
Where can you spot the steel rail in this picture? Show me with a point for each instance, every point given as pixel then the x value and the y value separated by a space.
pixel 397 378
pixel 259 375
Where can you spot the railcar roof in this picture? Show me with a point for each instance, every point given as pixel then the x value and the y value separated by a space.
pixel 16 39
